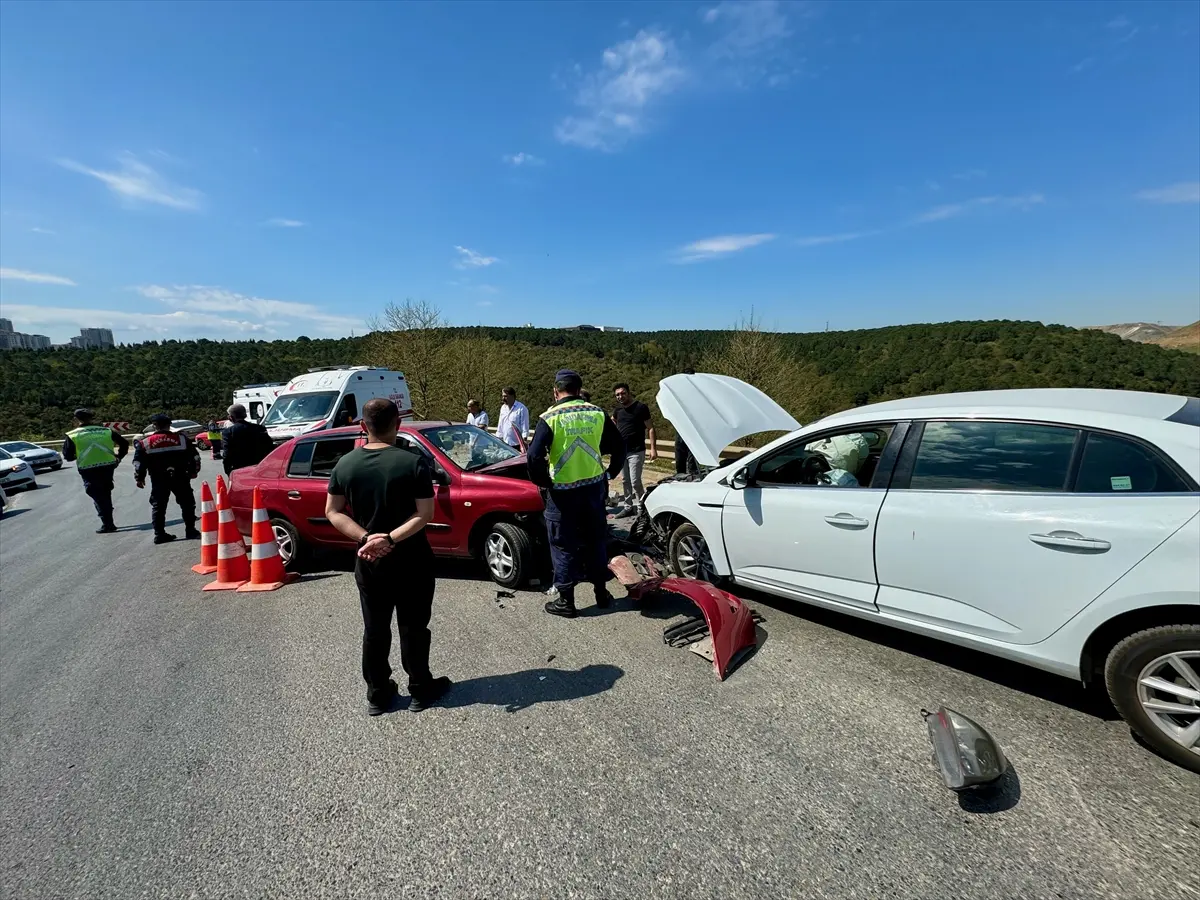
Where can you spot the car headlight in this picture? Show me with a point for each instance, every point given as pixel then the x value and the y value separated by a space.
pixel 966 755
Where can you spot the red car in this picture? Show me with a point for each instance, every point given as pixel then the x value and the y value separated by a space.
pixel 485 505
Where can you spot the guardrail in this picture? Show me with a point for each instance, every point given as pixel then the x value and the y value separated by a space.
pixel 727 453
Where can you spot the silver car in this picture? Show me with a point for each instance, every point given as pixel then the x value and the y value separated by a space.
pixel 37 457
pixel 15 474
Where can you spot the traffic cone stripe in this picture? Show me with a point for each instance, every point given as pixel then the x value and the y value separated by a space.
pixel 263 551
pixel 207 506
pixel 230 551
pixel 208 538
pixel 260 515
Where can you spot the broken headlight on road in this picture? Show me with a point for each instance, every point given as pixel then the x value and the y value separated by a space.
pixel 965 753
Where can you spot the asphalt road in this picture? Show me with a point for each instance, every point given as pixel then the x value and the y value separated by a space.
pixel 161 742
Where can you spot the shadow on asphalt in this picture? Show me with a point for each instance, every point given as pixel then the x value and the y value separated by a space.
pixel 999 797
pixel 1016 676
pixel 147 526
pixel 9 513
pixel 520 690
pixel 332 562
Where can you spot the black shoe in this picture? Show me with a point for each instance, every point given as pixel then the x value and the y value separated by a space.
pixel 107 528
pixel 562 607
pixel 603 598
pixel 382 701
pixel 430 695
pixel 191 535
pixel 164 538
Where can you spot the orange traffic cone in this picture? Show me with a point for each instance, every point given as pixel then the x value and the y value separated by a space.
pixel 266 567
pixel 233 569
pixel 221 486
pixel 208 533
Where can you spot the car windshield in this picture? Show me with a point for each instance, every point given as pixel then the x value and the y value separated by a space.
pixel 4 454
pixel 469 447
pixel 17 446
pixel 301 408
pixel 184 423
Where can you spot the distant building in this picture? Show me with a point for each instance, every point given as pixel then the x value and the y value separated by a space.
pixel 18 340
pixel 93 339
pixel 593 328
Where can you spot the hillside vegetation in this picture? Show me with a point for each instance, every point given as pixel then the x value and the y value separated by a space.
pixel 810 374
pixel 1185 338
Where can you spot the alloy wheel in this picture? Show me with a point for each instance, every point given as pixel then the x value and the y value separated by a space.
pixel 499 555
pixel 694 559
pixel 284 539
pixel 1169 692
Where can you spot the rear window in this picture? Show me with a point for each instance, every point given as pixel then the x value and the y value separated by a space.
pixel 1115 465
pixel 1188 414
pixel 327 453
pixel 301 461
pixel 993 456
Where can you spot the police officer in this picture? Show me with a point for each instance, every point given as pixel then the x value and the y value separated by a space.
pixel 565 457
pixel 172 461
pixel 214 438
pixel 97 451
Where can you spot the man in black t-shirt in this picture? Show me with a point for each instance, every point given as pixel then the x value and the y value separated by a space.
pixel 389 491
pixel 632 418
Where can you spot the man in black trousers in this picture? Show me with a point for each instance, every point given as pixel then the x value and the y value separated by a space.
pixel 390 492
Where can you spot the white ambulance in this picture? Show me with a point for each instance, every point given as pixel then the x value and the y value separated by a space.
pixel 333 396
pixel 258 398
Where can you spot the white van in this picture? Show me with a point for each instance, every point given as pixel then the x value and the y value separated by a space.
pixel 333 396
pixel 258 398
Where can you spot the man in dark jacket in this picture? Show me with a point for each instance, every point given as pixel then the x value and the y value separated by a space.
pixel 243 443
pixel 97 450
pixel 172 461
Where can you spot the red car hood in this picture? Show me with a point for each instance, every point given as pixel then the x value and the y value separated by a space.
pixel 505 467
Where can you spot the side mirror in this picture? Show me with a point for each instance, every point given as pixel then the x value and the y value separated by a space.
pixel 440 475
pixel 745 477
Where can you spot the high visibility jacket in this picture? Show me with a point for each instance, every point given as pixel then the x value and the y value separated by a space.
pixel 575 451
pixel 214 434
pixel 93 446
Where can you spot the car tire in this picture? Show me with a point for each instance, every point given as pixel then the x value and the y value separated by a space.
pixel 687 546
pixel 291 549
pixel 1157 653
pixel 508 554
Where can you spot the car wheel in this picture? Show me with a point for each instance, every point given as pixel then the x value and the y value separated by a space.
pixel 1153 679
pixel 508 552
pixel 689 554
pixel 291 550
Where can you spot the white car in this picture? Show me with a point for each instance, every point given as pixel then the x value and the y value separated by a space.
pixel 37 457
pixel 15 474
pixel 1057 528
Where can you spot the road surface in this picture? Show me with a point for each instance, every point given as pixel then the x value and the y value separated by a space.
pixel 161 742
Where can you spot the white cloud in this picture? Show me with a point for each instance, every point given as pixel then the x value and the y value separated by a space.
pixel 954 210
pixel 821 239
pixel 35 277
pixel 469 259
pixel 969 175
pixel 37 230
pixel 136 182
pixel 1181 192
pixel 285 223
pixel 614 99
pixel 130 327
pixel 750 27
pixel 1120 23
pixel 272 314
pixel 723 245
pixel 523 159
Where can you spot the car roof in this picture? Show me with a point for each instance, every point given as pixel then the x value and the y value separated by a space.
pixel 356 430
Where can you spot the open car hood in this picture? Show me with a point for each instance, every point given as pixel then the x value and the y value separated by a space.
pixel 504 467
pixel 710 412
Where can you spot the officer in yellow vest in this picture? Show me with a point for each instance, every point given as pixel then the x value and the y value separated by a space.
pixel 96 451
pixel 565 457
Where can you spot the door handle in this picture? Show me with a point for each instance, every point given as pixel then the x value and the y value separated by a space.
pixel 846 520
pixel 293 495
pixel 1070 540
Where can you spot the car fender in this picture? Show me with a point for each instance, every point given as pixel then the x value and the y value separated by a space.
pixel 700 502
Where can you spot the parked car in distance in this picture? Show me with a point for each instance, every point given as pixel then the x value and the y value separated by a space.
pixel 37 457
pixel 16 474
pixel 1057 528
pixel 485 505
pixel 181 426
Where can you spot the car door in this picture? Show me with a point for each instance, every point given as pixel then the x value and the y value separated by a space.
pixel 787 532
pixel 306 480
pixel 441 530
pixel 1007 529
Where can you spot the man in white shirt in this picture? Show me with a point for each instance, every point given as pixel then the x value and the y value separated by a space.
pixel 514 419
pixel 476 415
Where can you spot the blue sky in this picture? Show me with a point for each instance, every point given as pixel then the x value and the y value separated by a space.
pixel 267 169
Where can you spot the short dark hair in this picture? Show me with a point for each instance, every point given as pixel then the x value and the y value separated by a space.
pixel 509 390
pixel 689 371
pixel 84 415
pixel 380 415
pixel 569 384
pixel 619 385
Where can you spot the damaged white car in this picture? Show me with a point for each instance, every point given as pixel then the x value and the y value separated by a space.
pixel 1058 528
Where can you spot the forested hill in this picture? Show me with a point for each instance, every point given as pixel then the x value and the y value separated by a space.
pixel 811 374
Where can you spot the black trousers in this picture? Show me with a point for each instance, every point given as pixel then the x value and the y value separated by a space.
pixel 161 488
pixel 684 461
pixel 98 484
pixel 401 583
pixel 577 527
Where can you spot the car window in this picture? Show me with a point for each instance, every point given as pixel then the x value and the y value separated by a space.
pixel 4 454
pixel 993 456
pixel 301 462
pixel 256 410
pixel 844 459
pixel 18 446
pixel 1116 465
pixel 326 454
